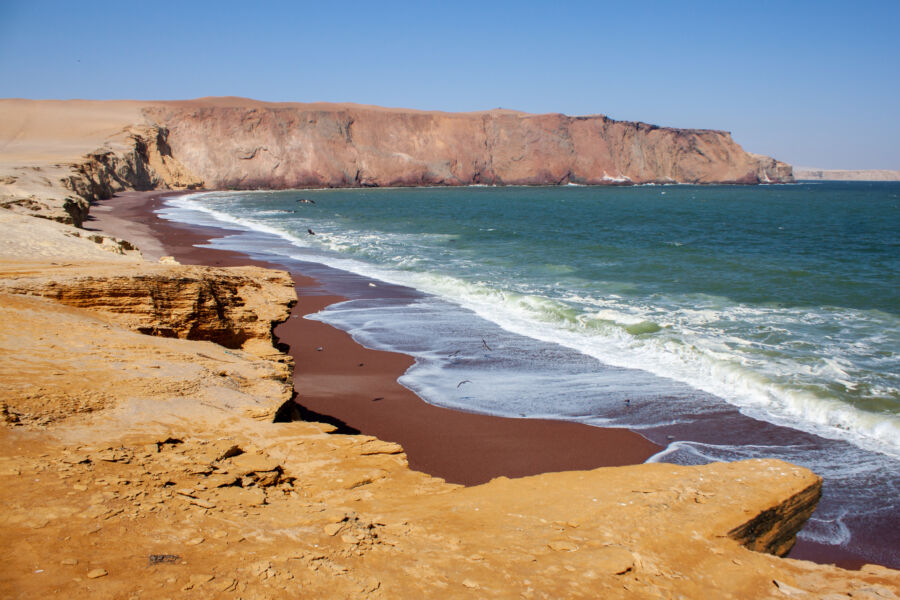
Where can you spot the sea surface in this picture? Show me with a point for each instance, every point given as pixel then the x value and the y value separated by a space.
pixel 681 312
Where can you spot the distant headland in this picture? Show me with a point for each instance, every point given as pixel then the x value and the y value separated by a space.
pixel 218 143
pixel 813 174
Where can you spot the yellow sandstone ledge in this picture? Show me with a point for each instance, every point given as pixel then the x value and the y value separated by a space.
pixel 139 459
pixel 138 465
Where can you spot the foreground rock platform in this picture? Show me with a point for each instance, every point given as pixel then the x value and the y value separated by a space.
pixel 142 466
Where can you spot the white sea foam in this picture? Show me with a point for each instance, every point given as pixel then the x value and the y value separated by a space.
pixel 690 345
pixel 181 207
pixel 616 179
pixel 685 359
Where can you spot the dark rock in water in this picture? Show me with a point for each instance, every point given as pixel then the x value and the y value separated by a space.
pixel 306 201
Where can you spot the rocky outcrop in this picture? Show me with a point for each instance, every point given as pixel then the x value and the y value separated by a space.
pixel 806 173
pixel 774 530
pixel 40 192
pixel 770 170
pixel 234 307
pixel 148 165
pixel 140 160
pixel 235 143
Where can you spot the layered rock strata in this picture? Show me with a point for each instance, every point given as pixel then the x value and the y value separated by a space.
pixel 234 307
pixel 58 156
pixel 146 165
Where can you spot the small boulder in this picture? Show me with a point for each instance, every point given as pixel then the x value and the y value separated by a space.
pixel 614 560
pixel 244 464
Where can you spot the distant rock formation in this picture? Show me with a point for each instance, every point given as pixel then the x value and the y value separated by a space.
pixel 58 156
pixel 811 174
pixel 244 144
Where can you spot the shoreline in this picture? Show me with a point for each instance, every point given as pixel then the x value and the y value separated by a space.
pixel 457 446
pixel 150 450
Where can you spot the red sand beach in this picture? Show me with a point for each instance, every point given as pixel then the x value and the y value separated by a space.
pixel 356 386
pixel 339 381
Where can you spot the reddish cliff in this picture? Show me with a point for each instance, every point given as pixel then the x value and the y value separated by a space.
pixel 232 142
pixel 57 156
pixel 97 148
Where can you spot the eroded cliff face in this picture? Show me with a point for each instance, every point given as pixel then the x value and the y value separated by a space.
pixel 56 156
pixel 234 307
pixel 137 158
pixel 147 164
pixel 231 143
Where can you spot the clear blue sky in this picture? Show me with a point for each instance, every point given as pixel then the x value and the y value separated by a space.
pixel 811 83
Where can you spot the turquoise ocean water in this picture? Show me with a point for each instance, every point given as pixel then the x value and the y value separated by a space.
pixel 780 303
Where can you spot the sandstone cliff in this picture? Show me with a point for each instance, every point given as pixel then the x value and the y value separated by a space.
pixel 235 307
pixel 58 156
pixel 146 164
pixel 243 144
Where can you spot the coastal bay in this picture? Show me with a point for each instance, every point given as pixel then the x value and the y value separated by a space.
pixel 165 447
pixel 455 368
pixel 341 381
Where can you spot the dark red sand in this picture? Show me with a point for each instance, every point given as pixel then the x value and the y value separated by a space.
pixel 358 386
